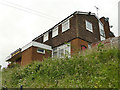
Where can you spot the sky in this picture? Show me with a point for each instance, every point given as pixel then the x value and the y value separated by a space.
pixel 23 20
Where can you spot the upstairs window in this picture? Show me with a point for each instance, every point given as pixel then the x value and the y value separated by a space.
pixel 102 33
pixel 65 26
pixel 55 32
pixel 101 29
pixel 45 37
pixel 89 26
pixel 40 50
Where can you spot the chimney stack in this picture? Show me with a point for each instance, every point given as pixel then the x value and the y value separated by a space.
pixel 105 22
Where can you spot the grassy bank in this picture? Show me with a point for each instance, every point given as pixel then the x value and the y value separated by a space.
pixel 98 69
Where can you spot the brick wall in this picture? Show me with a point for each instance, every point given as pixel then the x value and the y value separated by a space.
pixel 26 56
pixel 85 34
pixel 106 27
pixel 39 56
pixel 63 37
pixel 76 45
pixel 19 61
pixel 31 54
pixel 115 41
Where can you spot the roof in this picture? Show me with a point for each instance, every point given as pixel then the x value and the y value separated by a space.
pixel 17 54
pixel 76 12
pixel 36 44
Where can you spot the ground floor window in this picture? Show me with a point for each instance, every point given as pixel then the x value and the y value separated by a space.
pixel 40 50
pixel 102 38
pixel 89 45
pixel 62 51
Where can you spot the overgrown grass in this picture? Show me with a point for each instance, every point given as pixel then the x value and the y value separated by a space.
pixel 98 69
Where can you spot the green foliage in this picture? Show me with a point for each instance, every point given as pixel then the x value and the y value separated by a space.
pixel 100 47
pixel 95 70
pixel 13 65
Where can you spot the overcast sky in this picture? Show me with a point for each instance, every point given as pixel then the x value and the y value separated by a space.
pixel 23 20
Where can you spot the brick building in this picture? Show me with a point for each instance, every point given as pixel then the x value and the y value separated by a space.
pixel 73 34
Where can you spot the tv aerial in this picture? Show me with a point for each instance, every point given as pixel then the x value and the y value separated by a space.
pixel 96 9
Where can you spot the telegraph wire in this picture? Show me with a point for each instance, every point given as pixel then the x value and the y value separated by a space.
pixel 28 10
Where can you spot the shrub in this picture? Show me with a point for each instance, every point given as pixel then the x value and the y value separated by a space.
pixel 94 70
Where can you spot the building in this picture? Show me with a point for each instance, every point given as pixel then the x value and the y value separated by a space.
pixel 73 34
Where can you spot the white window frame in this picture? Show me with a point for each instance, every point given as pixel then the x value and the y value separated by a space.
pixel 45 37
pixel 55 32
pixel 54 51
pixel 66 50
pixel 40 51
pixel 90 24
pixel 65 25
pixel 102 38
pixel 89 45
pixel 102 32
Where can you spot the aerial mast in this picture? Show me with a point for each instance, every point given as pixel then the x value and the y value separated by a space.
pixel 97 10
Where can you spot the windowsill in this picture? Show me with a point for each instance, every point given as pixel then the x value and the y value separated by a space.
pixel 65 30
pixel 102 36
pixel 89 30
pixel 55 36
pixel 45 41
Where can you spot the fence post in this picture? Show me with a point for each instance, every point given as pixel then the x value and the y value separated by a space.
pixel 21 87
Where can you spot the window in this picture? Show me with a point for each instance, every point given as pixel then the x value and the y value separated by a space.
pixel 55 52
pixel 55 32
pixel 89 26
pixel 65 26
pixel 101 29
pixel 61 51
pixel 102 38
pixel 102 33
pixel 89 45
pixel 45 37
pixel 40 50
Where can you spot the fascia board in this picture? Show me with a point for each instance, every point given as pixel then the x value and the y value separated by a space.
pixel 36 44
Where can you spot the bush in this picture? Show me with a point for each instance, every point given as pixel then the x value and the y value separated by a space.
pixel 94 70
pixel 13 65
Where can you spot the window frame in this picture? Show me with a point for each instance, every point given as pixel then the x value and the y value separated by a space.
pixel 66 22
pixel 55 51
pixel 62 51
pixel 89 45
pixel 40 51
pixel 102 32
pixel 101 27
pixel 89 23
pixel 102 38
pixel 54 34
pixel 45 37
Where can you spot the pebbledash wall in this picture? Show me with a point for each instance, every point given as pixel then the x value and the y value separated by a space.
pixel 73 34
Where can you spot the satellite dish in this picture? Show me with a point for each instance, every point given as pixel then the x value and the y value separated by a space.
pixel 111 26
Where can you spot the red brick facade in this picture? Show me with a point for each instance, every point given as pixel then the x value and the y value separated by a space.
pixel 76 45
pixel 31 54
